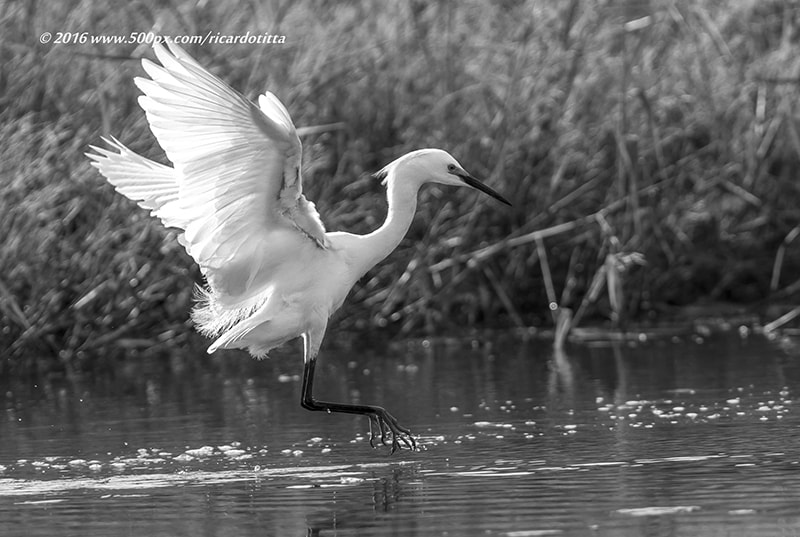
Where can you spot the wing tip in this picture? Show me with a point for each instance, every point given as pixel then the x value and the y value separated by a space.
pixel 178 51
pixel 269 104
pixel 101 153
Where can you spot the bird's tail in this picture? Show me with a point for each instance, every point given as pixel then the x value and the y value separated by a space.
pixel 231 324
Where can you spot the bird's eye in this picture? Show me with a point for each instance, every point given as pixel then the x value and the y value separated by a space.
pixel 451 168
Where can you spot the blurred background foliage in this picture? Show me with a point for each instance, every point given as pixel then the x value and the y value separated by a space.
pixel 648 146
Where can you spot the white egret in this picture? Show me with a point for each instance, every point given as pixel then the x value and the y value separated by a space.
pixel 235 191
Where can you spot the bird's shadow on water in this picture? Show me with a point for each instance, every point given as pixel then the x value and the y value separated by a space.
pixel 387 491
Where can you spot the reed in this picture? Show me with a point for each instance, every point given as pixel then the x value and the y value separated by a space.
pixel 673 124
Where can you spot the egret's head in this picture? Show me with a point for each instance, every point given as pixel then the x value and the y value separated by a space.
pixel 436 166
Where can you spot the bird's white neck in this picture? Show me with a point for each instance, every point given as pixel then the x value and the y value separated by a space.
pixel 401 197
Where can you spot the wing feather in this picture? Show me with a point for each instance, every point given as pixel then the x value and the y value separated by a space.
pixel 150 184
pixel 236 188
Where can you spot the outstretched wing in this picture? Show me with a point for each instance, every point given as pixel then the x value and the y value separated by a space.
pixel 237 169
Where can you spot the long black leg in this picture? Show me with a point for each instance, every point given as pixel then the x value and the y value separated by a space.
pixel 384 422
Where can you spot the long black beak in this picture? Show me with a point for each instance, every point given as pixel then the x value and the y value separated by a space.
pixel 474 183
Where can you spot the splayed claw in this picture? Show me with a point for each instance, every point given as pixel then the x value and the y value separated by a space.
pixel 387 427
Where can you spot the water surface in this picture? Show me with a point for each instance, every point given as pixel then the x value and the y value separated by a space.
pixel 683 437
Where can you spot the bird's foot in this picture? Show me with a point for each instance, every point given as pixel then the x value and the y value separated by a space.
pixel 388 428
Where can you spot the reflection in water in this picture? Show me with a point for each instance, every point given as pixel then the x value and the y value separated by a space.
pixel 561 378
pixel 517 440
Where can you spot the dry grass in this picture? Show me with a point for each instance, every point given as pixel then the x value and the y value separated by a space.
pixel 668 129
